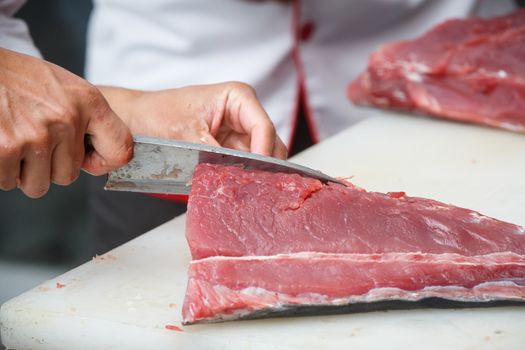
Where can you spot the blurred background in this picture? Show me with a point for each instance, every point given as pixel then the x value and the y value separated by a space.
pixel 40 239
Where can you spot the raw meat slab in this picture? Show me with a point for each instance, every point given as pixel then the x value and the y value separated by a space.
pixel 271 243
pixel 225 288
pixel 465 69
pixel 235 212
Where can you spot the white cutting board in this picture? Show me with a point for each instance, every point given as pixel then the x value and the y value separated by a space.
pixel 125 299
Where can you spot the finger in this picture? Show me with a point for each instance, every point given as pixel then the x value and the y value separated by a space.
pixel 229 138
pixel 112 142
pixel 10 152
pixel 280 150
pixel 262 138
pixel 35 172
pixel 9 168
pixel 252 119
pixel 66 161
pixel 260 128
pixel 236 141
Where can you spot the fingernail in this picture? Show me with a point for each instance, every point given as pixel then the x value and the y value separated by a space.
pixel 87 172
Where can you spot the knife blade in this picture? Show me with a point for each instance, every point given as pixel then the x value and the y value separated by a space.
pixel 167 166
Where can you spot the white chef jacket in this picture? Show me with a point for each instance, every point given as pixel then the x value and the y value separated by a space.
pixel 14 34
pixel 320 45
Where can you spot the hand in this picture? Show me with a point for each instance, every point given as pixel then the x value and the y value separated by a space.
pixel 45 111
pixel 226 114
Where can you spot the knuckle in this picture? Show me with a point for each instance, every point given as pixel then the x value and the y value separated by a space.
pixel 125 155
pixel 100 112
pixel 40 142
pixel 91 93
pixel 95 101
pixel 242 88
pixel 38 136
pixel 10 148
pixel 67 119
pixel 266 125
pixel 125 152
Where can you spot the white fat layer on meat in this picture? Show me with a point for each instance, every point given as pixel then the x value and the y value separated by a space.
pixel 436 224
pixel 440 207
pixel 502 74
pixel 511 126
pixel 254 291
pixel 414 64
pixel 382 101
pixel 429 101
pixel 414 70
pixel 315 298
pixel 477 218
pixel 414 76
pixel 290 186
pixel 282 302
pixel 443 237
pixel 400 95
pixel 420 67
pixel 383 257
pixel 492 244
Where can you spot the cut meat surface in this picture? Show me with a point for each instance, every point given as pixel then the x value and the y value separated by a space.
pixel 244 286
pixel 234 212
pixel 470 70
pixel 271 243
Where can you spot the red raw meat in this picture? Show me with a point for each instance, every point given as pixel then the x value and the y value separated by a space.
pixel 282 244
pixel 247 287
pixel 470 70
pixel 235 212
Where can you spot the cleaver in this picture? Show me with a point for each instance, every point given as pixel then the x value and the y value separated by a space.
pixel 167 166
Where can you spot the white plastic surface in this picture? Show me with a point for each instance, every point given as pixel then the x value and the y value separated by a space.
pixel 125 299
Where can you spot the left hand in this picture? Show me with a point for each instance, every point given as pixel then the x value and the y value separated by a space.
pixel 225 114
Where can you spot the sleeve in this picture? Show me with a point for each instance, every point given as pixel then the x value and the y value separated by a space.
pixel 14 34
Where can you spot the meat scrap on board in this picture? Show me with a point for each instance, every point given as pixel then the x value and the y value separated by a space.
pixel 271 243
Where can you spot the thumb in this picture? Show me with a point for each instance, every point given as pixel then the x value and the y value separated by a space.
pixel 111 143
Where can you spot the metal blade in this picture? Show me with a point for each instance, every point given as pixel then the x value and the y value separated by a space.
pixel 167 166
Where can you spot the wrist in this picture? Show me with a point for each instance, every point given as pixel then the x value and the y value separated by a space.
pixel 122 101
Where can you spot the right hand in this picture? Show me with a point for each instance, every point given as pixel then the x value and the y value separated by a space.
pixel 45 113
